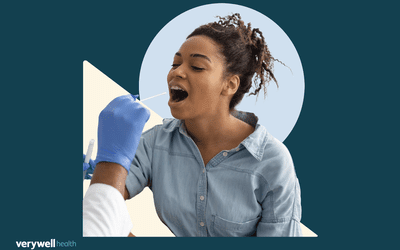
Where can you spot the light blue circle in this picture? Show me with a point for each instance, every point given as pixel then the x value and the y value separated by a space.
pixel 278 111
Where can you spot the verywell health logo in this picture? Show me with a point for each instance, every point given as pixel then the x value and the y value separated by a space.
pixel 47 244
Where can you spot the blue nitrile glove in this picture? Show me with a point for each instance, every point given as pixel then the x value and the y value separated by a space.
pixel 89 167
pixel 120 127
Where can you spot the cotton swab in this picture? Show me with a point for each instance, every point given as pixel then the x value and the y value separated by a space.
pixel 153 96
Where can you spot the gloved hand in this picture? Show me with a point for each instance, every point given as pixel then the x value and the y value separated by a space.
pixel 120 127
pixel 89 167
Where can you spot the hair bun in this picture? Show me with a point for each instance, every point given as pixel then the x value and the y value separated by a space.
pixel 245 51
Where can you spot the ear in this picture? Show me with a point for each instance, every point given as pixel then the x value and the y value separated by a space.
pixel 231 85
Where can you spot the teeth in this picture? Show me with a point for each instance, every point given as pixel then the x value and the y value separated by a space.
pixel 176 88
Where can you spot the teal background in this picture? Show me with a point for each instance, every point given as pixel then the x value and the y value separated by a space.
pixel 344 143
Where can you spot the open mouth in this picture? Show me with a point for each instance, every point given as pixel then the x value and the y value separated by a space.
pixel 178 94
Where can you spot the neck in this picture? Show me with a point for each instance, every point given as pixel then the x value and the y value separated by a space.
pixel 210 131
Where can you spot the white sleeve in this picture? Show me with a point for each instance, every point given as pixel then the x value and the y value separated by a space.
pixel 105 212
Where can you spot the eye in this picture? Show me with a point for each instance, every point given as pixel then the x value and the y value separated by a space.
pixel 175 65
pixel 197 68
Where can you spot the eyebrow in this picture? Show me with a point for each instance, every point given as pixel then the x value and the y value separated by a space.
pixel 195 55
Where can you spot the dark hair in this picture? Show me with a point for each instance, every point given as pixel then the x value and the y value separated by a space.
pixel 245 51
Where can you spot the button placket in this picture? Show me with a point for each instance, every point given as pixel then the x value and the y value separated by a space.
pixel 202 191
pixel 201 204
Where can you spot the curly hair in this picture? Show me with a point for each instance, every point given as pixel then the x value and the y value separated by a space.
pixel 245 51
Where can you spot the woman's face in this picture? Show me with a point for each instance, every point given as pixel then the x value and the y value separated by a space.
pixel 196 79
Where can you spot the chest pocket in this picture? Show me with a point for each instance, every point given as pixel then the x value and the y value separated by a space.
pixel 224 228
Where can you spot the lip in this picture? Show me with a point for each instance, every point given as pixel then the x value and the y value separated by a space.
pixel 176 84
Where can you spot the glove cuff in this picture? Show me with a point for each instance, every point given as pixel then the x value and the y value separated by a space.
pixel 121 160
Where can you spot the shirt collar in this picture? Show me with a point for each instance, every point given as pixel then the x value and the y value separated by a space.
pixel 170 124
pixel 254 143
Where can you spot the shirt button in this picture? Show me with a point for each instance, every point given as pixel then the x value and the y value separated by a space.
pixel 237 149
pixel 204 170
pixel 202 198
pixel 202 224
pixel 225 154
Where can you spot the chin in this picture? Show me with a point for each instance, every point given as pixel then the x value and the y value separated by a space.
pixel 178 115
pixel 182 113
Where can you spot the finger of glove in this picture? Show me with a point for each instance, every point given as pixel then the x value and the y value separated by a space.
pixel 85 166
pixel 87 176
pixel 116 102
pixel 125 108
pixel 91 163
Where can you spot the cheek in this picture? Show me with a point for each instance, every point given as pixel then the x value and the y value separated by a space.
pixel 208 91
pixel 169 75
pixel 214 84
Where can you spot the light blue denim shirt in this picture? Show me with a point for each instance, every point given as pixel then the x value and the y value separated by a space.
pixel 250 190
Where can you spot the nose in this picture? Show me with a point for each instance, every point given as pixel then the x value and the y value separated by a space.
pixel 179 72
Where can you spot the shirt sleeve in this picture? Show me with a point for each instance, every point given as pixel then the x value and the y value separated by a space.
pixel 105 212
pixel 281 225
pixel 139 175
pixel 281 208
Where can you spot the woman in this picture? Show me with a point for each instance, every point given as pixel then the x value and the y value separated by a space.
pixel 213 170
